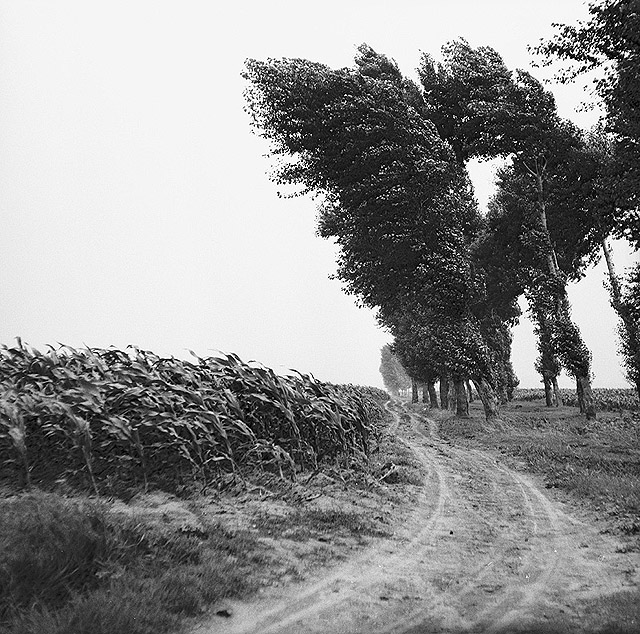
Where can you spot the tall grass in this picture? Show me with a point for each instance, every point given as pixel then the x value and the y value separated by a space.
pixel 95 417
pixel 76 567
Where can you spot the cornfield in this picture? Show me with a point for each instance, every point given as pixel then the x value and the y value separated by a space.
pixel 95 417
pixel 607 399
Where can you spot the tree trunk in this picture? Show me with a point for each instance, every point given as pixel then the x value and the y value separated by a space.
pixel 501 394
pixel 414 391
pixel 628 323
pixel 583 383
pixel 614 281
pixel 548 391
pixel 452 396
pixel 587 397
pixel 469 390
pixel 488 398
pixel 444 392
pixel 552 262
pixel 425 393
pixel 462 400
pixel 557 394
pixel 580 393
pixel 433 396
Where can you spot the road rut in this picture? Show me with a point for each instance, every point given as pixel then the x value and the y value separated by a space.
pixel 484 550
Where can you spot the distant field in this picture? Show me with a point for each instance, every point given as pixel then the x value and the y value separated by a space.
pixel 608 399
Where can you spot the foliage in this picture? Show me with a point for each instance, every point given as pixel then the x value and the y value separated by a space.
pixel 394 375
pixel 395 200
pixel 467 97
pixel 608 43
pixel 380 166
pixel 411 345
pixel 126 418
pixel 629 328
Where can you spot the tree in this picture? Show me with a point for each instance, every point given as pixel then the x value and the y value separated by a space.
pixel 600 156
pixel 630 328
pixel 467 96
pixel 393 197
pixel 471 97
pixel 532 190
pixel 609 43
pixel 394 376
pixel 411 345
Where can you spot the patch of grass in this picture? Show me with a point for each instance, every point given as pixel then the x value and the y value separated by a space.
pixel 597 462
pixel 619 613
pixel 73 567
pixel 50 548
pixel 304 524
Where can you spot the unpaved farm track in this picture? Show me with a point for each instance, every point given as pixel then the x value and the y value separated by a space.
pixel 484 550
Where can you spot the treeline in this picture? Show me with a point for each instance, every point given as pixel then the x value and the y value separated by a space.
pixel 388 158
pixel 398 383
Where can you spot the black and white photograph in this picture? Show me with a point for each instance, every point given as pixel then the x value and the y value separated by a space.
pixel 319 318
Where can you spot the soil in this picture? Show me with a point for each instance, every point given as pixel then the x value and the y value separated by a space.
pixel 481 548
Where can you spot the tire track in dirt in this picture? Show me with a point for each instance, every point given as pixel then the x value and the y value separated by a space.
pixel 484 550
pixel 494 584
pixel 356 578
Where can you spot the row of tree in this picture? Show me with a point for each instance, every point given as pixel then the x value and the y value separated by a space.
pixel 387 159
pixel 398 383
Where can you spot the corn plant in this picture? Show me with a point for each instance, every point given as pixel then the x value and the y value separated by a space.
pixel 130 415
pixel 12 427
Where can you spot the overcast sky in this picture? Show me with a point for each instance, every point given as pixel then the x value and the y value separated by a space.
pixel 135 202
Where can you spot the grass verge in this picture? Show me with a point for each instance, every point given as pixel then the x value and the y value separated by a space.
pixel 75 567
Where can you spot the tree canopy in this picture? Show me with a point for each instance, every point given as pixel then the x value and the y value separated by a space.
pixel 386 159
pixel 608 46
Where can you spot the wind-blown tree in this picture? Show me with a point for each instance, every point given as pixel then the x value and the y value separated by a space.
pixel 498 278
pixel 506 251
pixel 392 195
pixel 411 345
pixel 557 239
pixel 483 110
pixel 630 307
pixel 602 163
pixel 469 96
pixel 394 376
pixel 609 44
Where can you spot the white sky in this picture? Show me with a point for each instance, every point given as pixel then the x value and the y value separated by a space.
pixel 134 199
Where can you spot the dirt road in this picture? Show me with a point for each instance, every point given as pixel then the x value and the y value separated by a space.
pixel 484 550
